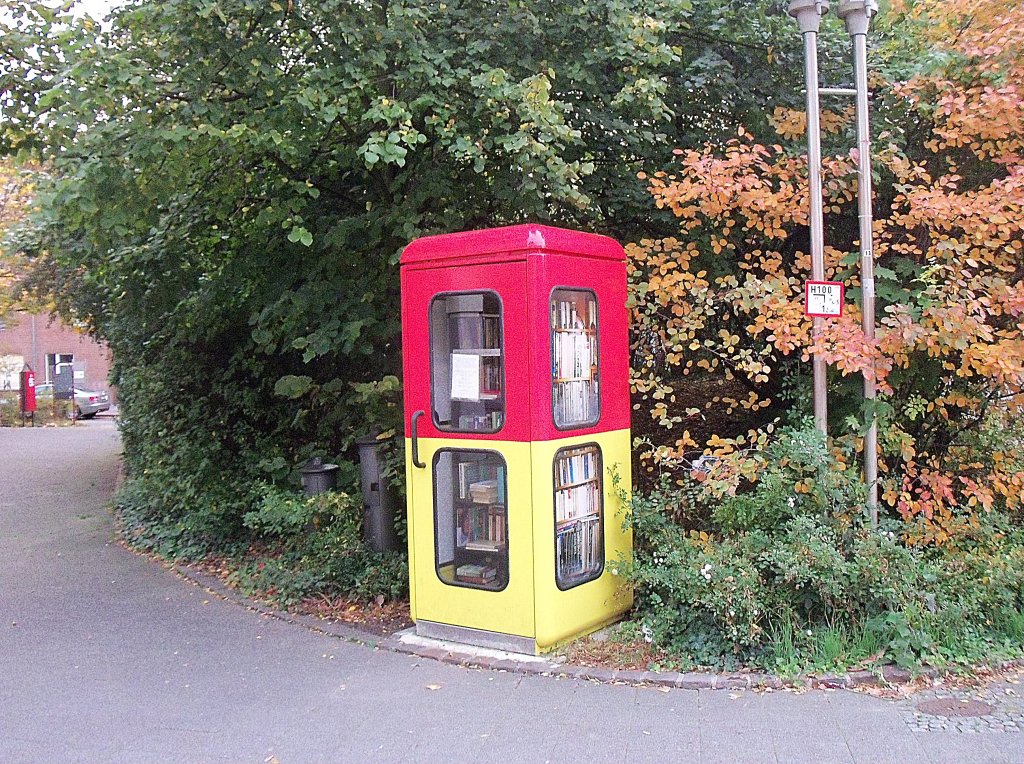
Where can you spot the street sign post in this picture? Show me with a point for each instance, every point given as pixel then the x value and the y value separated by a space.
pixel 824 299
pixel 808 14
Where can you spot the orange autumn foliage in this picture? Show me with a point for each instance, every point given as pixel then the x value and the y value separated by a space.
pixel 725 298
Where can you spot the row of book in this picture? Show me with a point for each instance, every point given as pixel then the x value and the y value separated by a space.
pixel 566 314
pixel 573 355
pixel 483 528
pixel 481 422
pixel 576 466
pixel 490 377
pixel 481 481
pixel 578 548
pixel 472 573
pixel 575 402
pixel 492 331
pixel 582 501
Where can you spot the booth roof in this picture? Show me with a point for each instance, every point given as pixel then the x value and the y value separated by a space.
pixel 528 238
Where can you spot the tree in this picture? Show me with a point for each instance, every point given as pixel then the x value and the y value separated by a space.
pixel 723 301
pixel 233 181
pixel 16 193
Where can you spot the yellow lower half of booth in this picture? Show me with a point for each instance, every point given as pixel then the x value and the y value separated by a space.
pixel 552 521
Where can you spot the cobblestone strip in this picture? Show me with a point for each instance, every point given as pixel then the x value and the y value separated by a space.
pixel 1006 715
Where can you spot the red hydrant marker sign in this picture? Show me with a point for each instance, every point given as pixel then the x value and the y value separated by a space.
pixel 28 392
pixel 824 299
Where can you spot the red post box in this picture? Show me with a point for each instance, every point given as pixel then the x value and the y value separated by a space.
pixel 28 391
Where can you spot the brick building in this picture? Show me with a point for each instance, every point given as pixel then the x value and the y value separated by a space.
pixel 47 345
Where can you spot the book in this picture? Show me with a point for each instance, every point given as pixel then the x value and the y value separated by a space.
pixel 468 473
pixel 484 491
pixel 481 422
pixel 476 574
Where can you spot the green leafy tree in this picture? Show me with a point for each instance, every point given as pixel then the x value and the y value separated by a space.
pixel 233 181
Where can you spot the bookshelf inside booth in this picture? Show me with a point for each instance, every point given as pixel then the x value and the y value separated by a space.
pixel 575 395
pixel 579 536
pixel 467 372
pixel 471 518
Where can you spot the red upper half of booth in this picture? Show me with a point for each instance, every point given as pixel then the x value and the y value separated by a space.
pixel 522 266
pixel 521 239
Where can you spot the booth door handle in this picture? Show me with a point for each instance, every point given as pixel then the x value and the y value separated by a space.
pixel 416 441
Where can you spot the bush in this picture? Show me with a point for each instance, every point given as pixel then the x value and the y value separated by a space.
pixel 47 413
pixel 784 574
pixel 286 547
pixel 313 546
pixel 152 521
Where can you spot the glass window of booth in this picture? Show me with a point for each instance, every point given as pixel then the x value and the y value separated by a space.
pixel 575 396
pixel 471 518
pixel 579 536
pixel 467 373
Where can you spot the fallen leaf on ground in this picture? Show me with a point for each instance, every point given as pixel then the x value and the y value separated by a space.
pixel 433 687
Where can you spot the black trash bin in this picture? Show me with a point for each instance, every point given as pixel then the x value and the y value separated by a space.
pixel 379 501
pixel 318 478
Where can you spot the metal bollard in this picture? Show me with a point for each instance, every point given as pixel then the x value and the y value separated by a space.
pixel 378 500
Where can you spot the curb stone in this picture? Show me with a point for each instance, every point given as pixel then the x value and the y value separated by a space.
pixel 690 680
pixel 733 682
pixel 833 682
pixel 694 680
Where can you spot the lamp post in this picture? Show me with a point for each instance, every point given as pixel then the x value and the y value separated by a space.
pixel 808 14
pixel 857 15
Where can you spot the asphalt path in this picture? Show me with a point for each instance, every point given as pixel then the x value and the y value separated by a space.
pixel 107 656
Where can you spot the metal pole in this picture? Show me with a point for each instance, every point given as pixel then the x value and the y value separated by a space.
pixel 35 345
pixel 857 15
pixel 808 13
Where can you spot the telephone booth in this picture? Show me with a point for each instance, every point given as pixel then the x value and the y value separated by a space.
pixel 516 365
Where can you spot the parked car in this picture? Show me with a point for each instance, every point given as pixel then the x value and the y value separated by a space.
pixel 88 403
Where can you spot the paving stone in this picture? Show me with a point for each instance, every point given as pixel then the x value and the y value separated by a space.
pixel 632 677
pixel 862 678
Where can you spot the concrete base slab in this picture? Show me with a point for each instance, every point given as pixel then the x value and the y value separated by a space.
pixel 412 638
